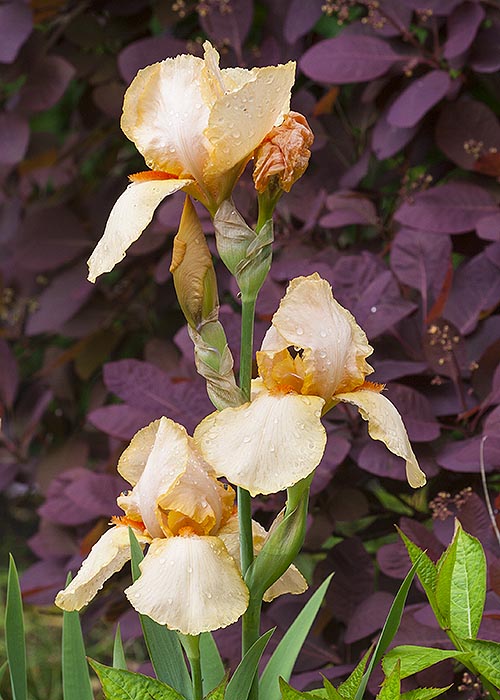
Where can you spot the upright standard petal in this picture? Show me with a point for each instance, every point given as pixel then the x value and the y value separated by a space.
pixel 240 119
pixel 106 557
pixel 165 115
pixel 267 445
pixel 334 347
pixel 189 584
pixel 385 424
pixel 129 217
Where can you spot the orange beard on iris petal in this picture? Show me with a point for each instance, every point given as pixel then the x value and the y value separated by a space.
pixel 149 175
pixel 125 520
pixel 371 386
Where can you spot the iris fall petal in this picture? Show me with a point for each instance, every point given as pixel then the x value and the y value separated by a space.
pixel 267 445
pixel 129 217
pixel 385 424
pixel 190 584
pixel 106 557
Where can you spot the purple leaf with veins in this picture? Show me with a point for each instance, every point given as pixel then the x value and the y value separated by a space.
pixel 348 58
pixel 452 208
pixel 420 260
pixel 228 22
pixel 368 617
pixel 462 26
pixel 485 56
pixel 475 289
pixel 418 98
pixel 46 84
pixel 348 208
pixel 477 124
pixel 438 7
pixel 489 227
pixel 416 412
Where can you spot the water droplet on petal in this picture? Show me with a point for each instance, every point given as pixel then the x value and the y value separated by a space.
pixel 246 439
pixel 299 330
pixel 323 333
pixel 373 309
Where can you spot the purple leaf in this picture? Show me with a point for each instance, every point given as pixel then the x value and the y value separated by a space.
pixel 368 617
pixel 52 542
pixel 337 449
pixel 14 136
pixel 144 52
pixel 457 137
pixel 395 18
pixel 418 98
pixel 452 208
pixel 229 22
pixel 420 260
pixel 109 98
pixel 41 581
pixel 96 494
pixel 49 238
pixel 462 26
pixel 348 208
pixel 416 412
pixel 60 301
pixel 150 389
pixel 393 558
pixel 388 139
pixel 381 306
pixel 348 58
pixel 353 175
pixel 463 456
pixel 354 577
pixel 9 375
pixel 121 420
pixel 485 56
pixel 300 18
pixel 375 458
pixel 46 84
pixel 475 289
pixel 16 22
pixel 489 227
pixel 388 370
pixel 59 508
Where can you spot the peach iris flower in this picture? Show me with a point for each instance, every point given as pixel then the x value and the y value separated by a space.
pixel 312 357
pixel 196 126
pixel 190 576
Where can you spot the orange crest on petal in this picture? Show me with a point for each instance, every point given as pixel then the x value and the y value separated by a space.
pixel 148 175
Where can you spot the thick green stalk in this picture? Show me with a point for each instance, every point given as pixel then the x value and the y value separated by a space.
pixel 191 646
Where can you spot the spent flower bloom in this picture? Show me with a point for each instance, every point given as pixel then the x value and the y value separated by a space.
pixel 196 126
pixel 283 156
pixel 190 578
pixel 312 357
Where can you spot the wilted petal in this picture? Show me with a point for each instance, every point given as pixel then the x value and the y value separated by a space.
pixel 165 115
pixel 385 424
pixel 292 580
pixel 190 584
pixel 241 118
pixel 265 445
pixel 129 217
pixel 106 557
pixel 334 347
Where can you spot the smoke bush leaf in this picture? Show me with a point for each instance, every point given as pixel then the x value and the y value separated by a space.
pixel 418 98
pixel 348 58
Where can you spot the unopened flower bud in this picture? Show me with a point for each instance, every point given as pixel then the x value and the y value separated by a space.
pixel 283 155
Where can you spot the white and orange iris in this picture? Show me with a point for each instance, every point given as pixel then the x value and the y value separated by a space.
pixel 196 126
pixel 190 577
pixel 312 357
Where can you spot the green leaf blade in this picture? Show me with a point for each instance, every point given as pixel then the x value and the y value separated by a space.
pixel 424 693
pixel 283 659
pixel 118 684
pixel 14 635
pixel 75 671
pixel 391 687
pixel 485 657
pixel 119 660
pixel 239 686
pixel 212 668
pixel 414 658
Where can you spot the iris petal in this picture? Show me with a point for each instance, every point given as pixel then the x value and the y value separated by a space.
pixel 106 557
pixel 190 584
pixel 385 424
pixel 267 445
pixel 129 217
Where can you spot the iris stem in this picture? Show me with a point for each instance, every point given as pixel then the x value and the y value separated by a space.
pixel 191 644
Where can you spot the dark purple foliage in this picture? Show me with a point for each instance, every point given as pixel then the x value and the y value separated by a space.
pixel 418 98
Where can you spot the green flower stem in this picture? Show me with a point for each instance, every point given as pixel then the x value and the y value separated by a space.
pixel 191 646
